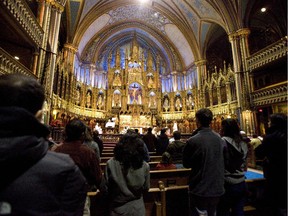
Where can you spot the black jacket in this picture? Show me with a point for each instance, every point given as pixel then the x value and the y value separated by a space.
pixel 35 181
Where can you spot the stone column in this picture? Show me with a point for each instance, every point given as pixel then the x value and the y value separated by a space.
pixel 201 76
pixel 240 51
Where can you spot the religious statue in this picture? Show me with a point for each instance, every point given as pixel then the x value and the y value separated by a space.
pixel 178 104
pixel 150 82
pixel 166 104
pixel 88 100
pixel 100 102
pixel 117 80
pixel 152 102
pixel 189 102
pixel 116 100
pixel 77 97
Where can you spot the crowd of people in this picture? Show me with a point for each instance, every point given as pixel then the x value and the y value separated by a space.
pixel 41 177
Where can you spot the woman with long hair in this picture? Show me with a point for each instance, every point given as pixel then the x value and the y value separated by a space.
pixel 235 154
pixel 127 177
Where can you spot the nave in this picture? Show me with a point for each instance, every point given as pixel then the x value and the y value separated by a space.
pixel 168 195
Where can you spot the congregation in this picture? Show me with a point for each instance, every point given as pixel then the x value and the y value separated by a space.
pixel 41 177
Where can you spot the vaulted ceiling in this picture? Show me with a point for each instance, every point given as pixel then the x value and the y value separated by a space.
pixel 174 29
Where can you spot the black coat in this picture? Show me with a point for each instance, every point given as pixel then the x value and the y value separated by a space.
pixel 35 181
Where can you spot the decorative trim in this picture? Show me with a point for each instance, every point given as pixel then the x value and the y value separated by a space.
pixel 9 65
pixel 268 54
pixel 25 17
pixel 271 94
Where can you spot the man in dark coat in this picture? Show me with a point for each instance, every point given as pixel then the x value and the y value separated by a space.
pixel 162 142
pixel 274 150
pixel 34 181
pixel 203 153
pixel 150 140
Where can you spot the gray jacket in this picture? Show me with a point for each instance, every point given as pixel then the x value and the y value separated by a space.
pixel 126 191
pixel 204 154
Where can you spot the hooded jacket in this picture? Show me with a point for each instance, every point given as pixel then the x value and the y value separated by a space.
pixel 35 181
pixel 126 189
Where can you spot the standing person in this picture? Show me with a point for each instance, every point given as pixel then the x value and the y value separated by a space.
pixel 97 139
pixel 162 141
pixel 274 150
pixel 203 153
pixel 176 149
pixel 89 141
pixel 127 177
pixel 235 155
pixel 83 156
pixel 150 140
pixel 29 170
pixel 146 151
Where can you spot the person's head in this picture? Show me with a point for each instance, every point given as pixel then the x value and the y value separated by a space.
pixel 177 135
pixel 130 131
pixel 149 130
pixel 88 134
pixel 278 121
pixel 95 133
pixel 230 128
pixel 136 131
pixel 75 130
pixel 163 131
pixel 22 91
pixel 204 117
pixel 130 151
pixel 166 158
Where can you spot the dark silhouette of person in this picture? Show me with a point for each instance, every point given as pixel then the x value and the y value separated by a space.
pixel 203 153
pixel 150 140
pixel 274 150
pixel 34 180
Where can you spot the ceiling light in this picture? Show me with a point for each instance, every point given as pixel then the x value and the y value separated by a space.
pixel 143 1
pixel 263 9
pixel 16 57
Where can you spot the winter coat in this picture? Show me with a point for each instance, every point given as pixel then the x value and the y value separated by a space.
pixel 35 181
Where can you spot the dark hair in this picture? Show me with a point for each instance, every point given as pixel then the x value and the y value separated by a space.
pixel 21 91
pixel 149 129
pixel 177 135
pixel 204 116
pixel 130 151
pixel 95 133
pixel 163 131
pixel 88 134
pixel 166 158
pixel 75 130
pixel 230 128
pixel 279 121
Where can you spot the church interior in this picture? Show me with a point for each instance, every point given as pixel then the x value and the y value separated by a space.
pixel 150 63
pixel 119 64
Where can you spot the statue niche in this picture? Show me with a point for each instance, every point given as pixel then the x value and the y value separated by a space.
pixel 116 101
pixel 117 79
pixel 100 101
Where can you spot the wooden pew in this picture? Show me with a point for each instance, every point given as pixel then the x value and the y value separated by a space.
pixel 155 158
pixel 172 177
pixel 152 165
